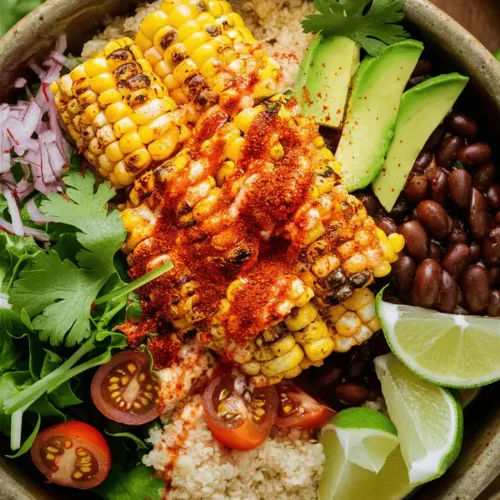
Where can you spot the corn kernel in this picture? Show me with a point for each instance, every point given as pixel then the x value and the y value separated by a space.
pixel 397 242
pixel 124 126
pixel 336 312
pixel 315 330
pixel 106 135
pixel 283 363
pixel 383 270
pixel 348 324
pixel 100 121
pixel 138 160
pixel 91 112
pixel 283 345
pixel 78 73
pixel 121 176
pixel 142 41
pixel 153 23
pixel 113 152
pixel 102 82
pixel 164 147
pixel 117 111
pixel 73 132
pixel 105 163
pixel 148 112
pixel 86 98
pixel 302 318
pixel 374 325
pixel 233 150
pixel 243 120
pixel 359 299
pixel 130 142
pixel 293 373
pixel 325 265
pixel 320 349
pixel 252 368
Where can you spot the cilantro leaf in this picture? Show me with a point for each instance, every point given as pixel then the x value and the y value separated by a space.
pixel 373 27
pixel 102 232
pixel 59 296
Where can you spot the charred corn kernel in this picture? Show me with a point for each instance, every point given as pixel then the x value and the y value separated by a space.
pixel 315 330
pixel 86 98
pixel 283 345
pixel 100 121
pixel 95 147
pixel 348 324
pixel 283 363
pixel 151 110
pixel 382 271
pixel 74 106
pixel 315 233
pixel 124 126
pixel 155 129
pixel 138 160
pixel 264 354
pixel 252 368
pixel 233 150
pixel 73 133
pixel 319 349
pixel 323 266
pixel 163 148
pixel 293 373
pixel 243 120
pixel 301 317
pixel 113 152
pixel 359 299
pixel 130 142
pixel 244 354
pixel 227 169
pixel 106 135
pixel 102 82
pixel 205 206
pixel 374 325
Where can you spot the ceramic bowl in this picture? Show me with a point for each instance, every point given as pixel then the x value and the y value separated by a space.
pixel 451 47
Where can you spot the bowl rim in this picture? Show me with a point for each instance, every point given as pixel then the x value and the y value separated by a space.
pixel 462 47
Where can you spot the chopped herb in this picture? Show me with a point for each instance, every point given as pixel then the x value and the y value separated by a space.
pixel 372 24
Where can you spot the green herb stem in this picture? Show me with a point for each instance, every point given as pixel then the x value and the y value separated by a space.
pixel 143 280
pixel 49 382
pixel 16 428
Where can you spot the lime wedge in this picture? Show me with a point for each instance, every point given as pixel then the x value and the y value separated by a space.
pixel 447 349
pixel 367 437
pixel 428 418
pixel 343 479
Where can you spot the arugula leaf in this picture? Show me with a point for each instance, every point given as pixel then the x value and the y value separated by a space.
pixel 135 484
pixel 372 24
pixel 102 232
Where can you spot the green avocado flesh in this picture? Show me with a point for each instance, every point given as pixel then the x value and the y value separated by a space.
pixel 372 112
pixel 422 109
pixel 324 78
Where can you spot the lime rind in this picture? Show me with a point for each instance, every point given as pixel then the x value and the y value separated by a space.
pixel 364 418
pixel 438 357
pixel 408 399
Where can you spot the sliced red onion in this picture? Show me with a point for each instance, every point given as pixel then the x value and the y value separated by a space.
pixel 20 83
pixel 28 231
pixel 36 216
pixel 15 213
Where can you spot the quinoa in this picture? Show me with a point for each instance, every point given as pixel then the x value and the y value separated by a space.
pixel 285 467
pixel 276 23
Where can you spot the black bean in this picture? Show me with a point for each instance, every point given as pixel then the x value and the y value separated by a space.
pixel 357 365
pixel 400 210
pixel 475 288
pixel 475 155
pixel 475 252
pixel 426 284
pixel 416 80
pixel 493 276
pixel 439 185
pixel 497 218
pixel 459 185
pixel 435 139
pixel 387 225
pixel 417 240
pixel 403 271
pixel 416 188
pixel 484 177
pixel 448 294
pixel 435 251
pixel 423 160
pixel 462 125
pixel 447 152
pixel 456 259
pixel 423 68
pixel 351 394
pixel 434 219
pixel 329 377
pixel 493 197
pixel 478 212
pixel 490 248
pixel 494 304
pixel 371 204
pixel 458 236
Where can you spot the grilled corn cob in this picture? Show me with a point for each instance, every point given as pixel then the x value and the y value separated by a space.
pixel 119 113
pixel 202 49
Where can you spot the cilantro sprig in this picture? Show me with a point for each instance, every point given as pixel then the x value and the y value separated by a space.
pixel 371 23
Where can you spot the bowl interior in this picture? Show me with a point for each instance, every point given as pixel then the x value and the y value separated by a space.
pixel 449 46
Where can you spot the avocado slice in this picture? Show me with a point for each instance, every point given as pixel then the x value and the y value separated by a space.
pixel 324 78
pixel 422 109
pixel 372 112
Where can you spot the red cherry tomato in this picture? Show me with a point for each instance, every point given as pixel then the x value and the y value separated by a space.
pixel 126 391
pixel 73 454
pixel 299 410
pixel 238 418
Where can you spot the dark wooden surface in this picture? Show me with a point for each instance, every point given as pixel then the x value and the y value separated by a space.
pixel 480 17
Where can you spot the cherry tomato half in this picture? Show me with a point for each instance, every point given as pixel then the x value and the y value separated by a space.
pixel 238 418
pixel 299 410
pixel 73 454
pixel 126 391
